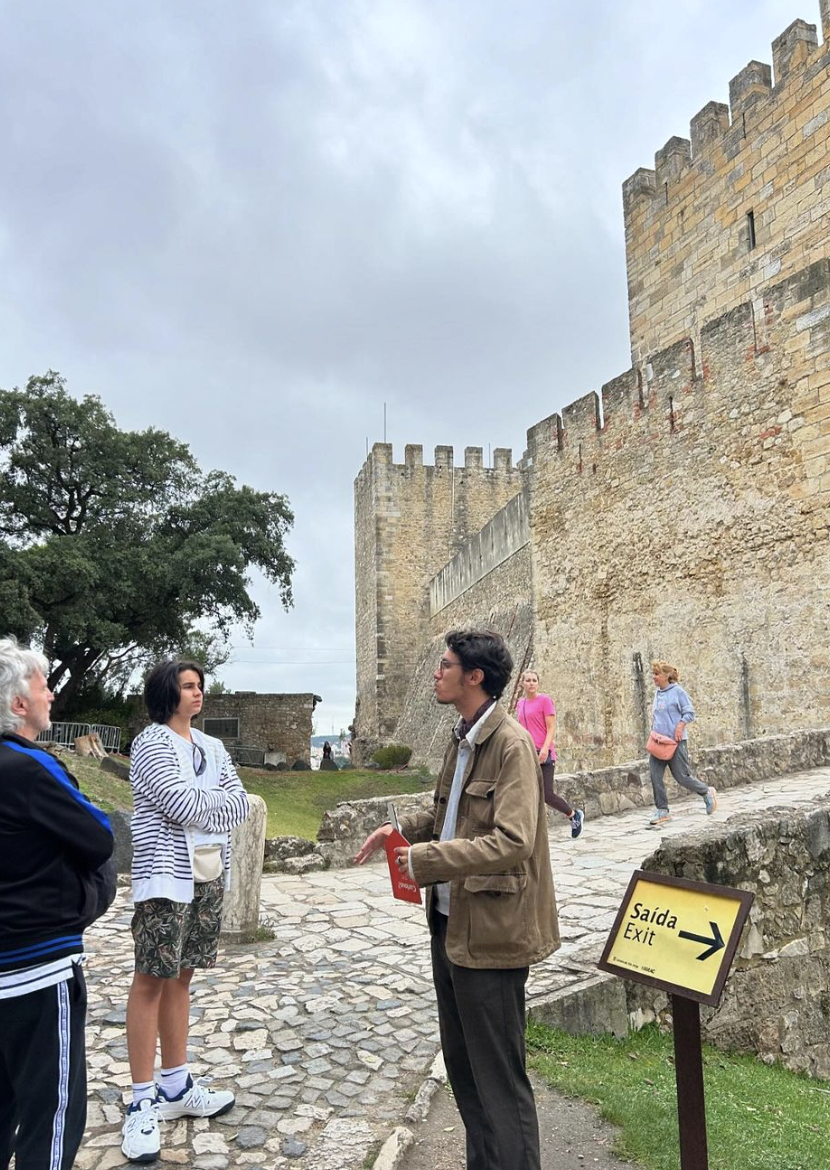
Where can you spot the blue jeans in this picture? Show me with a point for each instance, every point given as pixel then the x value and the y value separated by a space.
pixel 678 765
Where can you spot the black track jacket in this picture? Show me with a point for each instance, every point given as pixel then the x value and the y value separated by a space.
pixel 55 845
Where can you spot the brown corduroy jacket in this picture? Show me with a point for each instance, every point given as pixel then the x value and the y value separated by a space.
pixel 502 905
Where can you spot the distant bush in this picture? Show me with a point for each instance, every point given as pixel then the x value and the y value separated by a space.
pixel 394 755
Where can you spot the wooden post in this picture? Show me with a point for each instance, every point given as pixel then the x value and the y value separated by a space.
pixel 688 1069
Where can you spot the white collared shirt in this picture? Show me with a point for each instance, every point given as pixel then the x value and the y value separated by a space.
pixel 441 891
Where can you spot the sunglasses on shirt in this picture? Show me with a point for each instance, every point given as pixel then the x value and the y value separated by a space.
pixel 199 760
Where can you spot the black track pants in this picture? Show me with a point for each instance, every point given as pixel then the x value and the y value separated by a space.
pixel 43 1076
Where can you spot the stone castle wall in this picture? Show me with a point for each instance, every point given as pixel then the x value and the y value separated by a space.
pixel 744 201
pixel 691 523
pixel 682 513
pixel 409 519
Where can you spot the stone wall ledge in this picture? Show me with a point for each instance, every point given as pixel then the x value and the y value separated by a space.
pixel 604 792
pixel 776 1003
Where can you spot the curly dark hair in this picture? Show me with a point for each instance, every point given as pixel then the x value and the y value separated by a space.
pixel 484 650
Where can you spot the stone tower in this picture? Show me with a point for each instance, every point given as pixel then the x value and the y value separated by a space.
pixel 410 519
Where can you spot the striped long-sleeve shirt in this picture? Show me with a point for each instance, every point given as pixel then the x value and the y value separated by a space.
pixel 170 805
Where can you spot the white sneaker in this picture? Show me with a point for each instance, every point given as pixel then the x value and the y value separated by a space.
pixel 141 1132
pixel 195 1101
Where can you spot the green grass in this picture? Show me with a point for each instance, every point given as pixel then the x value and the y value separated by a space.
pixel 758 1116
pixel 296 801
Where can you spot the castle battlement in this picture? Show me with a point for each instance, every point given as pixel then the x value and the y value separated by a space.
pixel 657 401
pixel 795 48
pixel 722 211
pixel 381 459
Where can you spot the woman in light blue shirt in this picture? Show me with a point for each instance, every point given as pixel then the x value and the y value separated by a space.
pixel 671 712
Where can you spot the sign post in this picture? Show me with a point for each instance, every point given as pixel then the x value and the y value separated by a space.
pixel 681 937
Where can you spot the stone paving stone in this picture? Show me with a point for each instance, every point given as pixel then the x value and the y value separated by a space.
pixel 303 1026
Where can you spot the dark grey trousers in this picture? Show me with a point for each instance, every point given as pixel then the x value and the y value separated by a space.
pixel 481 1013
pixel 678 765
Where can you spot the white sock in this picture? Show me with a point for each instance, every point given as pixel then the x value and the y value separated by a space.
pixel 143 1090
pixel 173 1080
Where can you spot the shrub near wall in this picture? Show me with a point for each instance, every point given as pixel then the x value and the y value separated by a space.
pixel 393 755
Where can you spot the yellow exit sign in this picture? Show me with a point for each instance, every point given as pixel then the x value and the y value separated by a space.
pixel 678 935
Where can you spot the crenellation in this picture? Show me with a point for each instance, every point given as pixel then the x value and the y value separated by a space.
pixel 794 46
pixel 581 420
pixel 671 161
pixel 745 211
pixel 642 183
pixel 408 518
pixel 752 84
pixel 708 126
pixel 622 400
pixel 444 457
pixel 503 459
pixel 545 435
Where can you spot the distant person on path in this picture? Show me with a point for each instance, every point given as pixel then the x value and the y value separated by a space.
pixel 482 852
pixel 55 879
pixel 537 715
pixel 187 797
pixel 671 712
pixel 327 750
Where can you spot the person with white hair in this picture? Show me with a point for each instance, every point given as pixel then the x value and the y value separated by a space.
pixel 56 877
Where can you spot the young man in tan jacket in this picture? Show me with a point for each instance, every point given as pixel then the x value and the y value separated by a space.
pixel 482 851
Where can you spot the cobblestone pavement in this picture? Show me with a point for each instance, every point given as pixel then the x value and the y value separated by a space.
pixel 327 1030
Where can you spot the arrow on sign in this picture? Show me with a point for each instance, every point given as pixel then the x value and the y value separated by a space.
pixel 713 944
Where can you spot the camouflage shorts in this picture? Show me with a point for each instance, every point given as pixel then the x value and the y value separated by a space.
pixel 175 936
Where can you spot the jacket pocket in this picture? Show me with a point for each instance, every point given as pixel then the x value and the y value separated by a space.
pixel 495 883
pixel 496 908
pixel 478 805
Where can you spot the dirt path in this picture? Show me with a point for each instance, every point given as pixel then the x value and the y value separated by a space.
pixel 573 1136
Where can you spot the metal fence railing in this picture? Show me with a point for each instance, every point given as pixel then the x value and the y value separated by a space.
pixel 66 733
pixel 110 736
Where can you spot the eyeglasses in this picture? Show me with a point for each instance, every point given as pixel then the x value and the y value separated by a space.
pixel 199 760
pixel 445 665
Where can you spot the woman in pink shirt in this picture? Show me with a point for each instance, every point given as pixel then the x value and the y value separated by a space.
pixel 537 715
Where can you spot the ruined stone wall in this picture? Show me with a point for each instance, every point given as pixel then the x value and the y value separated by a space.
pixel 745 201
pixel 409 519
pixel 280 725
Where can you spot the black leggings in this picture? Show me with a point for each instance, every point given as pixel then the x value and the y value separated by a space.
pixel 551 797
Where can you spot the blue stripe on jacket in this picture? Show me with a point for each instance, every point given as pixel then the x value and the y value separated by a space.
pixel 56 771
pixel 37 950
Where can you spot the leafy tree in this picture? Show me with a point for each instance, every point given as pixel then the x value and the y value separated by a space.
pixel 114 545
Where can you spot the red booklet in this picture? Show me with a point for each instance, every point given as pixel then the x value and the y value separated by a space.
pixel 403 886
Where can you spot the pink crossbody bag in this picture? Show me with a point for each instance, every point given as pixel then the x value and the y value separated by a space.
pixel 662 747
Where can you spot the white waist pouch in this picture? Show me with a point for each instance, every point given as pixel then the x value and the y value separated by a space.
pixel 207 863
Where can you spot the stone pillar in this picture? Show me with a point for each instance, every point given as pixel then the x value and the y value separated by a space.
pixel 240 916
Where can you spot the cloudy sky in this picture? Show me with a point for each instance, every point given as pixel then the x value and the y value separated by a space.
pixel 253 223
